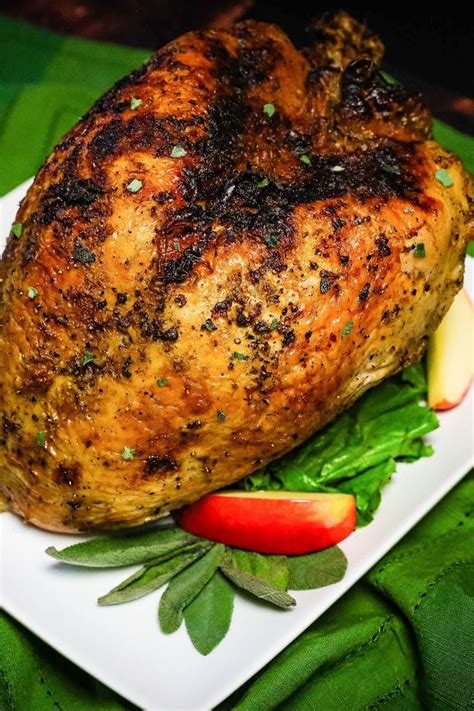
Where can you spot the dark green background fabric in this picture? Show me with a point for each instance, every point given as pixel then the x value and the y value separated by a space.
pixel 402 638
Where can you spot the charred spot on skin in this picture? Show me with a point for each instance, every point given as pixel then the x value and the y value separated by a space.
pixel 180 300
pixel 76 192
pixel 382 246
pixel 74 505
pixel 9 426
pixel 365 94
pixel 126 367
pixel 194 425
pixel 68 193
pixel 68 475
pixel 288 337
pixel 364 292
pixel 327 280
pixel 155 463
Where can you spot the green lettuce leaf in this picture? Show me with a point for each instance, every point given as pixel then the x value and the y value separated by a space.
pixel 357 452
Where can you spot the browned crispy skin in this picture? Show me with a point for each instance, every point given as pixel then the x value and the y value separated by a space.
pixel 228 277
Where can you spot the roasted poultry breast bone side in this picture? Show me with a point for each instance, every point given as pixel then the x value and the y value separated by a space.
pixel 207 277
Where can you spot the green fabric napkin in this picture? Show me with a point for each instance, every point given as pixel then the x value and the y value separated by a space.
pixel 402 638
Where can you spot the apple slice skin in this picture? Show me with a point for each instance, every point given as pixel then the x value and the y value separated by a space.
pixel 292 524
pixel 451 355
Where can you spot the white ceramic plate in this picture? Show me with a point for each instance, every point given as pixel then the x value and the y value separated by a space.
pixel 123 646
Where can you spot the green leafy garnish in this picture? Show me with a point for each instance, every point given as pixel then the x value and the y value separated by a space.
pixel 274 323
pixel 356 453
pixel 186 586
pixel 305 159
pixel 41 438
pixel 135 103
pixel 419 250
pixel 134 186
pixel 269 109
pixel 272 568
pixel 208 616
pixel 87 358
pixel 128 454
pixel 161 382
pixel 32 292
pixel 154 575
pixel 316 570
pixel 202 576
pixel 443 177
pixel 178 152
pixel 470 248
pixel 256 586
pixel 263 183
pixel 17 229
pixel 347 329
pixel 115 551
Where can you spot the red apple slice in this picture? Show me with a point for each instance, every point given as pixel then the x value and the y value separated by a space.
pixel 451 355
pixel 280 522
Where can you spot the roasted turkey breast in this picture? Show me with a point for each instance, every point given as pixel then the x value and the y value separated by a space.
pixel 231 246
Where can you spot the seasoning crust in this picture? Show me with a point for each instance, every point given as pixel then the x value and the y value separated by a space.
pixel 228 249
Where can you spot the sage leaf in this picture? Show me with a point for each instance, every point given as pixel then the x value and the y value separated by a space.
pixel 153 575
pixel 272 568
pixel 260 588
pixel 185 586
pixel 208 616
pixel 316 570
pixel 115 551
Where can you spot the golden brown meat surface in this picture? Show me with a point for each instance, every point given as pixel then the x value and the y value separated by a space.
pixel 193 256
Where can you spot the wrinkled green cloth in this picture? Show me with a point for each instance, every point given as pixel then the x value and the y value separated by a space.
pixel 402 638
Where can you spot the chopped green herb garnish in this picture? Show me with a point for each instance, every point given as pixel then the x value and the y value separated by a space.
pixel 408 210
pixel 239 356
pixel 87 358
pixel 17 229
pixel 134 186
pixel 470 248
pixel 82 254
pixel 392 168
pixel 263 183
pixel 419 250
pixel 177 246
pixel 178 152
pixel 32 292
pixel 337 168
pixel 135 103
pixel 347 328
pixel 305 159
pixel 221 415
pixel 274 324
pixel 271 240
pixel 209 325
pixel 161 382
pixel 128 454
pixel 41 438
pixel 443 177
pixel 269 109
